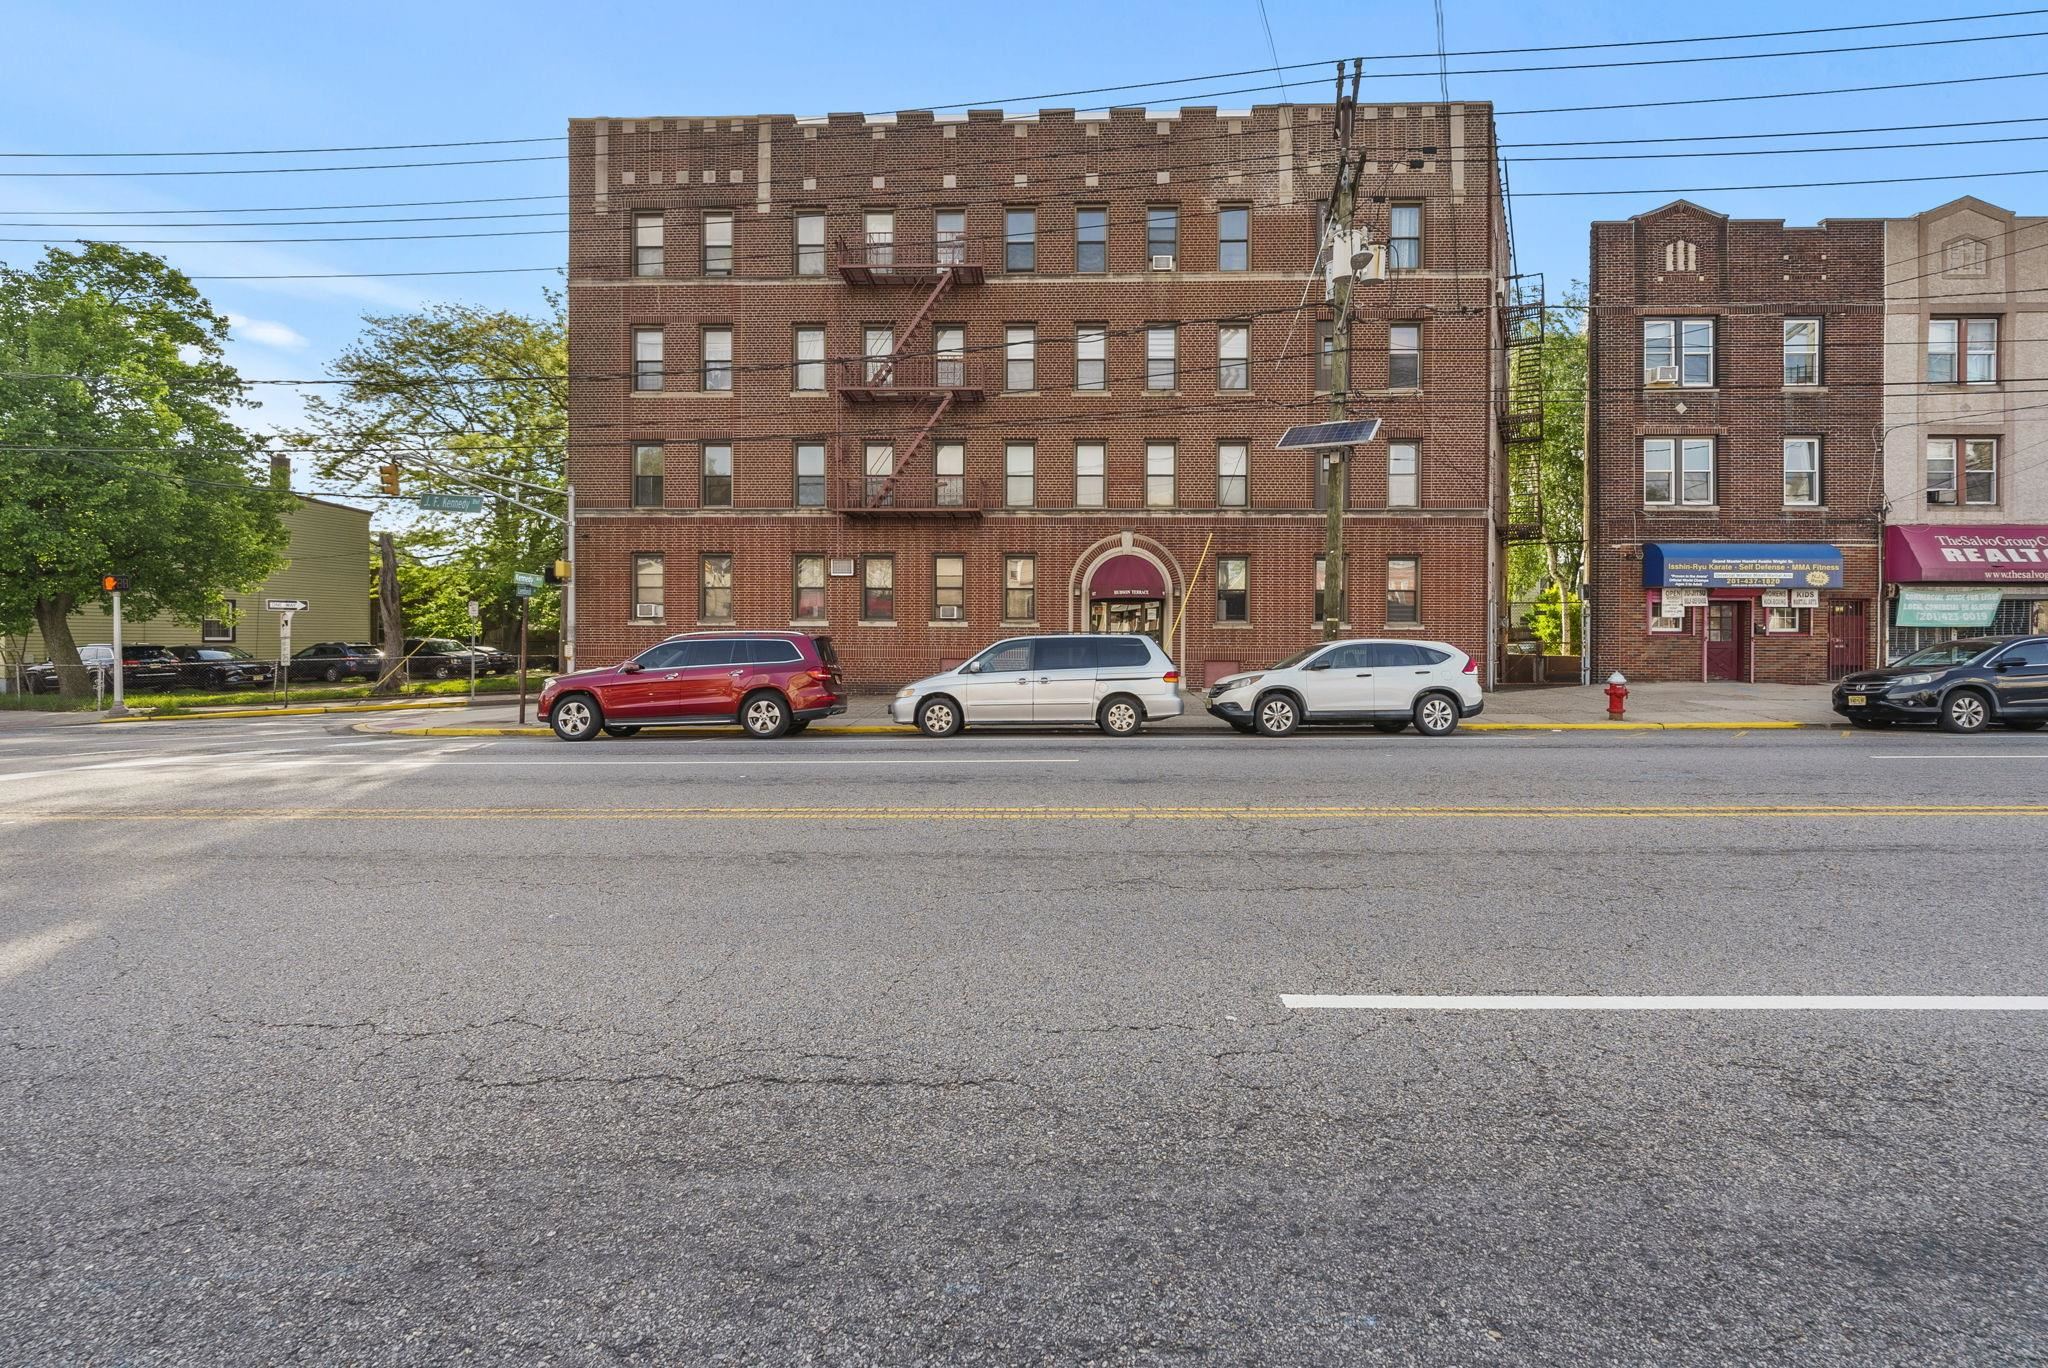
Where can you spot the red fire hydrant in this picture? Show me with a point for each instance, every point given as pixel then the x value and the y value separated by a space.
pixel 1617 696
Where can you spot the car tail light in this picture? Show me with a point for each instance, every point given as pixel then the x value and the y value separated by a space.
pixel 1471 665
pixel 822 676
pixel 1170 677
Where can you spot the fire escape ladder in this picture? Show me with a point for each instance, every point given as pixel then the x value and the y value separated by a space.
pixel 1521 418
pixel 880 497
pixel 924 312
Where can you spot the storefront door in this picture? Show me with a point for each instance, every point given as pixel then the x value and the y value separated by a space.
pixel 1848 637
pixel 1129 615
pixel 1728 641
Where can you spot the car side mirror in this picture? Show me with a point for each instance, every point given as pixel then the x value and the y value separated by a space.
pixel 631 667
pixel 1322 664
pixel 971 667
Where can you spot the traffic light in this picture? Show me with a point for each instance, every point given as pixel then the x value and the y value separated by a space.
pixel 558 573
pixel 389 476
pixel 114 584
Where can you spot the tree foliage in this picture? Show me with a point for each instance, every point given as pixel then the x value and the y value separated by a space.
pixel 117 451
pixel 459 397
pixel 1537 570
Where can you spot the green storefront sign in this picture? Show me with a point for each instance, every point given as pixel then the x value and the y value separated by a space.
pixel 1957 606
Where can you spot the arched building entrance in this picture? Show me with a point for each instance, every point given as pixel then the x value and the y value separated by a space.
pixel 1123 586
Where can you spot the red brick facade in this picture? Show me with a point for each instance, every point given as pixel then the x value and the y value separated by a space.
pixel 1748 277
pixel 1273 161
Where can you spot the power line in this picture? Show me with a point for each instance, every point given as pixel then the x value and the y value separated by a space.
pixel 1772 95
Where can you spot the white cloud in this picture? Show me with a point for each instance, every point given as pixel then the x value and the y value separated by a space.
pixel 265 333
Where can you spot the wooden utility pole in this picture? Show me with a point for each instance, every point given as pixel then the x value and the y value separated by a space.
pixel 387 606
pixel 1337 478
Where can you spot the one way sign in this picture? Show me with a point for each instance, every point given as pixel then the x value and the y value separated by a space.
pixel 286 605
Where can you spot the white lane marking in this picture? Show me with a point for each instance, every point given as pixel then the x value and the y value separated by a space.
pixel 1574 1002
pixel 1972 757
pixel 24 953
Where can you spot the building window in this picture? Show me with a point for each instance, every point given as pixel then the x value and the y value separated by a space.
pixel 1975 339
pixel 1234 356
pixel 1802 351
pixel 810 243
pixel 1404 238
pixel 1233 589
pixel 718 242
pixel 646 358
pixel 949 463
pixel 807 589
pixel 1321 493
pixel 1401 477
pixel 647 249
pixel 1019 462
pixel 1234 238
pixel 1161 363
pixel 1322 582
pixel 647 475
pixel 1689 481
pixel 810 475
pixel 1326 354
pixel 1979 473
pixel 878 346
pixel 1088 475
pixel 1020 589
pixel 1660 620
pixel 878 588
pixel 1020 358
pixel 1802 470
pixel 1678 351
pixel 1233 482
pixel 1020 239
pixel 809 368
pixel 718 358
pixel 1404 356
pixel 949 232
pixel 949 356
pixel 1091 240
pixel 221 628
pixel 1091 356
pixel 1162 235
pixel 1404 590
pixel 949 588
pixel 714 589
pixel 881 471
pixel 717 489
pixel 1785 621
pixel 1159 474
pixel 881 236
pixel 647 593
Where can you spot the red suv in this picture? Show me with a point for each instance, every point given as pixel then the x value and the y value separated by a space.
pixel 771 683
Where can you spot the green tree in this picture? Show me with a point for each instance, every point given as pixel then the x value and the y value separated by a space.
pixel 1542 568
pixel 117 452
pixel 459 397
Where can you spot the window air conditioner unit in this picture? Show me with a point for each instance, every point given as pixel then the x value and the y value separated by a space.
pixel 842 568
pixel 1941 496
pixel 646 610
pixel 1660 377
pixel 1162 263
pixel 949 612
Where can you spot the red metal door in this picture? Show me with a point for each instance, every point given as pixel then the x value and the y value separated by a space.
pixel 1848 637
pixel 1728 641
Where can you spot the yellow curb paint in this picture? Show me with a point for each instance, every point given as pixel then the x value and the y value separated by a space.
pixel 1739 727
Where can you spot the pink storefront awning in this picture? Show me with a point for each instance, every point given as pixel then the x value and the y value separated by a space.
pixel 1959 553
pixel 1127 577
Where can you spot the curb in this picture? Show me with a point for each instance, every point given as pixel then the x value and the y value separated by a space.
pixel 718 732
pixel 310 711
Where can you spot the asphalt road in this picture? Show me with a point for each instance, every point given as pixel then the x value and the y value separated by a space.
pixel 330 1048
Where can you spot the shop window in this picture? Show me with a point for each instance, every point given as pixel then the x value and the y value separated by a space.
pixel 1663 619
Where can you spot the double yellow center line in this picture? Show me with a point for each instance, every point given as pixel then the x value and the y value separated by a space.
pixel 1050 813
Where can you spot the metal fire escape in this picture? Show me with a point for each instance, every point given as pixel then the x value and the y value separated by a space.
pixel 909 371
pixel 1521 416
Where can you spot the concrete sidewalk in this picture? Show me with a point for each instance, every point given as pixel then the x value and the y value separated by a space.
pixel 1573 707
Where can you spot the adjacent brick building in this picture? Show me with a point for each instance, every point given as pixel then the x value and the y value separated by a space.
pixel 925 381
pixel 1734 484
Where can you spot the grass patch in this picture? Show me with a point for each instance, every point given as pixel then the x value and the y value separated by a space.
pixel 173 702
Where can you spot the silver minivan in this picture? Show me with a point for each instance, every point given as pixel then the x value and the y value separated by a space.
pixel 1117 682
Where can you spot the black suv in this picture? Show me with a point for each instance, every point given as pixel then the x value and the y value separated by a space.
pixel 221 667
pixel 336 660
pixel 142 667
pixel 1963 685
pixel 435 658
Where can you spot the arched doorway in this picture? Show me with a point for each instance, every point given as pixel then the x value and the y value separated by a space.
pixel 1127 592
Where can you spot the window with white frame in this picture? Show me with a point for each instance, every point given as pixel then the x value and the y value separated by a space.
pixel 810 474
pixel 1161 358
pixel 949 588
pixel 1233 238
pixel 1802 351
pixel 714 592
pixel 1404 238
pixel 1404 590
pixel 1962 349
pixel 647 475
pixel 1962 470
pixel 718 242
pixel 880 465
pixel 647 350
pixel 221 626
pixel 1980 351
pixel 881 236
pixel 717 359
pixel 810 243
pixel 949 463
pixel 647 244
pixel 949 356
pixel 1402 460
pixel 1234 356
pixel 878 350
pixel 878 588
pixel 1020 239
pixel 1088 475
pixel 809 366
pixel 949 229
pixel 1664 617
pixel 1233 588
pixel 1020 358
pixel 1678 470
pixel 1020 463
pixel 1162 232
pixel 807 589
pixel 1404 356
pixel 1091 356
pixel 1780 620
pixel 1678 351
pixel 1233 468
pixel 1020 588
pixel 1802 471
pixel 1159 474
pixel 717 484
pixel 647 586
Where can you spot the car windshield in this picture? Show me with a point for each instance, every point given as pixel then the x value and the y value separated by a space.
pixel 1297 657
pixel 1949 653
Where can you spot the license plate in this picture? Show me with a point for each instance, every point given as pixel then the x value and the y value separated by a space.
pixel 1858 700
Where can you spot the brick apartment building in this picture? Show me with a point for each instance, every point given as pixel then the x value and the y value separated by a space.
pixel 1734 486
pixel 921 382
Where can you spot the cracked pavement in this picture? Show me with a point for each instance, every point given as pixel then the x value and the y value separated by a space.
pixel 889 1090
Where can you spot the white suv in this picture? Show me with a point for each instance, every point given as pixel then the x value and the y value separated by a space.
pixel 1116 682
pixel 1387 683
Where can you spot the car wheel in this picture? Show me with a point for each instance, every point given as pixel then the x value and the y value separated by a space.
pixel 765 716
pixel 621 733
pixel 442 672
pixel 576 718
pixel 1278 715
pixel 1121 715
pixel 1964 711
pixel 1435 715
pixel 1391 727
pixel 331 675
pixel 938 716
pixel 2027 724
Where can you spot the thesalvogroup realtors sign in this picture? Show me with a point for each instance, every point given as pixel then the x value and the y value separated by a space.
pixel 1983 554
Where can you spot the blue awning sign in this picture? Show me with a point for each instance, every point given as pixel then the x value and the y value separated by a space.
pixel 1741 565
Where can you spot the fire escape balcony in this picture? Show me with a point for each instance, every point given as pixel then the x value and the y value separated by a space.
pixel 912 496
pixel 908 379
pixel 886 259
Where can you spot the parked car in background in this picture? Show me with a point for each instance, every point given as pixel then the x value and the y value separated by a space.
pixel 334 661
pixel 1114 681
pixel 491 660
pixel 142 667
pixel 435 658
pixel 1431 685
pixel 771 683
pixel 221 667
pixel 1961 686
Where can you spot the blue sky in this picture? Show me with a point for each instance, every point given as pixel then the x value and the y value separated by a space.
pixel 151 76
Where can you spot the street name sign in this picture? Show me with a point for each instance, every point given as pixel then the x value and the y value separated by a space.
pixel 524 580
pixel 452 503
